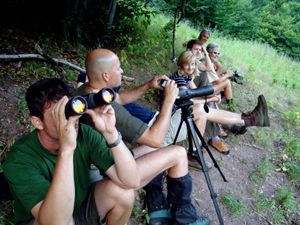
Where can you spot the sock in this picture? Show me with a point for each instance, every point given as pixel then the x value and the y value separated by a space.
pixel 216 138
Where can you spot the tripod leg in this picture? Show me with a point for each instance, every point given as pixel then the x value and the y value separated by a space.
pixel 177 132
pixel 192 128
pixel 204 144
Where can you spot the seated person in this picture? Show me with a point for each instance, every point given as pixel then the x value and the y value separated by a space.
pixel 104 70
pixel 47 170
pixel 213 50
pixel 213 130
pixel 203 37
pixel 187 70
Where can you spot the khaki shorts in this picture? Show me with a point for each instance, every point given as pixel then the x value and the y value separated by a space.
pixel 173 128
pixel 88 214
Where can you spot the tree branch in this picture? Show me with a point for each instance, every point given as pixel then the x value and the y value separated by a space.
pixel 57 61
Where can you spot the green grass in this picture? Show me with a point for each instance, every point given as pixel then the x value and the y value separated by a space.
pixel 236 206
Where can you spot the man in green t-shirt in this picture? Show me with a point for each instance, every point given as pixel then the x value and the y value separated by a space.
pixel 47 170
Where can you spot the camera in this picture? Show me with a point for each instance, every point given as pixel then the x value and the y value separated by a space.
pixel 79 104
pixel 237 77
pixel 163 83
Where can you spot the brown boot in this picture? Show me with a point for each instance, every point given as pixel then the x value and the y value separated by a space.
pixel 219 146
pixel 259 116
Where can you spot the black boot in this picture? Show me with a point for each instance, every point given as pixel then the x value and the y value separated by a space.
pixel 179 197
pixel 158 208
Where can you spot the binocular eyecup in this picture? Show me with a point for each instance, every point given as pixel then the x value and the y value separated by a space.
pixel 79 104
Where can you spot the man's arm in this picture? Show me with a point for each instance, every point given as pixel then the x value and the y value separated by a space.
pixel 57 206
pixel 124 171
pixel 155 135
pixel 207 65
pixel 133 94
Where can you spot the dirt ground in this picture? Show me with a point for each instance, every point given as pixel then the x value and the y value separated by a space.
pixel 237 166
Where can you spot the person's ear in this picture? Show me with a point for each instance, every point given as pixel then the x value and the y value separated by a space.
pixel 37 123
pixel 106 76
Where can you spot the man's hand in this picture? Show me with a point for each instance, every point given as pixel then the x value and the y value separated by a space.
pixel 66 129
pixel 228 73
pixel 154 83
pixel 171 91
pixel 104 120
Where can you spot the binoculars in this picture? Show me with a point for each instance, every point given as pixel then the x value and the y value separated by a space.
pixel 79 104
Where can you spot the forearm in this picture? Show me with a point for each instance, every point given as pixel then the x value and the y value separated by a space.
pixel 125 165
pixel 58 205
pixel 131 95
pixel 218 68
pixel 157 132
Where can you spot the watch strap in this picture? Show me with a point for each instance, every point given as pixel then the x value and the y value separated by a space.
pixel 116 143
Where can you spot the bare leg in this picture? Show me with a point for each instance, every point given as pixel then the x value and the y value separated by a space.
pixel 113 202
pixel 172 158
pixel 201 124
pixel 217 116
pixel 142 150
pixel 224 86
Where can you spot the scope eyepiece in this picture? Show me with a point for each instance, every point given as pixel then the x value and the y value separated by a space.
pixel 76 106
pixel 104 97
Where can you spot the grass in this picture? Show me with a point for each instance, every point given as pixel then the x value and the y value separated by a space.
pixel 236 206
pixel 277 207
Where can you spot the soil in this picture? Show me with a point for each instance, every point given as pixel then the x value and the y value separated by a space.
pixel 237 167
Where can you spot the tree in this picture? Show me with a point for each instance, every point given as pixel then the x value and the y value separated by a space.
pixel 279 26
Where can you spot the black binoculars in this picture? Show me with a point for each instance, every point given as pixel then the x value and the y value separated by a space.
pixel 79 104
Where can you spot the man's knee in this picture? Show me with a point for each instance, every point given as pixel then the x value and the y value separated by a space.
pixel 114 192
pixel 180 153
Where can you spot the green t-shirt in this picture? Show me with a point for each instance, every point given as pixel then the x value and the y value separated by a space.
pixel 129 126
pixel 29 169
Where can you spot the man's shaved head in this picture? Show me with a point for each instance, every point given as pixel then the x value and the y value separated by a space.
pixel 99 61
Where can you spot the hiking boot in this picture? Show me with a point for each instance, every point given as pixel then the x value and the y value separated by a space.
pixel 238 129
pixel 202 220
pixel 194 161
pixel 194 164
pixel 219 146
pixel 160 217
pixel 259 116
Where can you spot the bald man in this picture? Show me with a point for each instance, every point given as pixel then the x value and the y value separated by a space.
pixel 104 70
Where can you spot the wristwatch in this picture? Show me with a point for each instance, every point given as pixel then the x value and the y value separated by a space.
pixel 116 143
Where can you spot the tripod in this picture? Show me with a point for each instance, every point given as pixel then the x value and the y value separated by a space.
pixel 193 133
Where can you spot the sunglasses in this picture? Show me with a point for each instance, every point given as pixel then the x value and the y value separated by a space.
pixel 216 53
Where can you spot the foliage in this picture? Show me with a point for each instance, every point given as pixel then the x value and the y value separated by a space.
pixel 273 22
pixel 279 26
pixel 132 18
